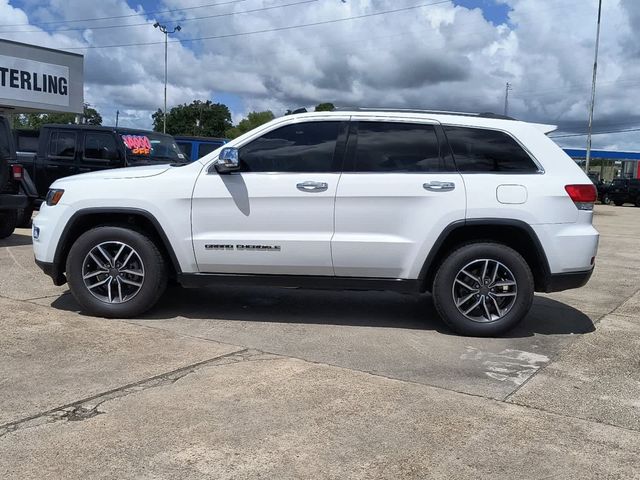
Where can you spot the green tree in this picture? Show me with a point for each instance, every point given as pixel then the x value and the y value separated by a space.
pixel 325 107
pixel 35 120
pixel 205 119
pixel 253 120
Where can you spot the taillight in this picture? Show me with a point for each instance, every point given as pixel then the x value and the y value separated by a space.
pixel 17 171
pixel 584 196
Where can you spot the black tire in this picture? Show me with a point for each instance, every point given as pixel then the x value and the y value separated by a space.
pixel 443 295
pixel 8 220
pixel 154 268
pixel 606 200
pixel 24 217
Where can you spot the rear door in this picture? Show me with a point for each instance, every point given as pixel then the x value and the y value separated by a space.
pixel 100 152
pixel 398 192
pixel 60 157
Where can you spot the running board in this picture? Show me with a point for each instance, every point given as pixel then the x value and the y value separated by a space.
pixel 320 282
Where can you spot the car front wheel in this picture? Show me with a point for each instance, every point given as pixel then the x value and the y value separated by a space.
pixel 483 289
pixel 115 272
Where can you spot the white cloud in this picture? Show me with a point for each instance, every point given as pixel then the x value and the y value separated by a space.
pixel 442 56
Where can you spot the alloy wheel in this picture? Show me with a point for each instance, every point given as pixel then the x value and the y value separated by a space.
pixel 484 290
pixel 113 272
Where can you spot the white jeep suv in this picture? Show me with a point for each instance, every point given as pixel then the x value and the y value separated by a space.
pixel 478 209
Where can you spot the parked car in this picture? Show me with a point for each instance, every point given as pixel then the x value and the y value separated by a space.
pixel 478 210
pixel 602 187
pixel 625 190
pixel 57 151
pixel 197 147
pixel 14 183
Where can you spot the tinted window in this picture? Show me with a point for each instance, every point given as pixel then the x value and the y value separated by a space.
pixel 27 143
pixel 302 147
pixel 619 182
pixel 100 146
pixel 205 148
pixel 4 140
pixel 397 147
pixel 185 147
pixel 480 150
pixel 62 144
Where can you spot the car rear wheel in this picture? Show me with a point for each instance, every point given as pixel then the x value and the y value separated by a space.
pixel 483 289
pixel 116 272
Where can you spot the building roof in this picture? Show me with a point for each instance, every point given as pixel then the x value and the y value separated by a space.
pixel 581 153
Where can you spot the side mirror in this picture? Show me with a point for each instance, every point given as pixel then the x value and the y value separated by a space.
pixel 228 160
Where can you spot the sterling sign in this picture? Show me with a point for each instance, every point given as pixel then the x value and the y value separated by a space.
pixel 39 79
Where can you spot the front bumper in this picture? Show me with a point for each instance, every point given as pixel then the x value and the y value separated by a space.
pixel 558 282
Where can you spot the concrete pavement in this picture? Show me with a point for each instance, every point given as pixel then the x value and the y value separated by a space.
pixel 266 383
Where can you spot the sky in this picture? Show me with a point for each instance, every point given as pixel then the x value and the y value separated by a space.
pixel 284 54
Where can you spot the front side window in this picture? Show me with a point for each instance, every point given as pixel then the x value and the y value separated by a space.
pixel 398 147
pixel 300 147
pixel 100 146
pixel 480 150
pixel 62 144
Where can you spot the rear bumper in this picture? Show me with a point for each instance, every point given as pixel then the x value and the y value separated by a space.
pixel 53 271
pixel 13 202
pixel 558 282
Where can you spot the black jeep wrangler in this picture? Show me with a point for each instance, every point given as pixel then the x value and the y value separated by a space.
pixel 14 185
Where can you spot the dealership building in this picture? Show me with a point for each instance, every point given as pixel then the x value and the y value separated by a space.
pixel 38 79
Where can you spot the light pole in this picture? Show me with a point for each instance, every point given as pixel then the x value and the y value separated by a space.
pixel 593 91
pixel 163 29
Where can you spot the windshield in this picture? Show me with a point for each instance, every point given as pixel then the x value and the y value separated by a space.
pixel 147 147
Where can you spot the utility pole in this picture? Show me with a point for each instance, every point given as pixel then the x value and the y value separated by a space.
pixel 593 90
pixel 117 117
pixel 506 98
pixel 163 29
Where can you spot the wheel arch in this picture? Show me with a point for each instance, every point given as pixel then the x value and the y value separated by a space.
pixel 134 218
pixel 513 233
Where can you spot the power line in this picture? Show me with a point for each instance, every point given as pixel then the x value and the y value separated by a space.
pixel 267 30
pixel 157 12
pixel 146 24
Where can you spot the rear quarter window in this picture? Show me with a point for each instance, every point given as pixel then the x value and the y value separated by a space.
pixel 479 150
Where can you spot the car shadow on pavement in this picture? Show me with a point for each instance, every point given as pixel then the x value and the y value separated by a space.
pixel 367 309
pixel 16 240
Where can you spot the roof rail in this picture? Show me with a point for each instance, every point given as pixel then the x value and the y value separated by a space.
pixel 413 110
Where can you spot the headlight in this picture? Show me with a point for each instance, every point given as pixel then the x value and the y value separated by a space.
pixel 53 196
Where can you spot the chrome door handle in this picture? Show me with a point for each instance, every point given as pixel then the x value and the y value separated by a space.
pixel 312 186
pixel 436 186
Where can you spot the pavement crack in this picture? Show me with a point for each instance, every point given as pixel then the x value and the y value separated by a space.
pixel 87 408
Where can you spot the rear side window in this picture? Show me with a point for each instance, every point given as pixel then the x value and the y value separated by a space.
pixel 100 146
pixel 398 147
pixel 185 147
pixel 27 143
pixel 301 147
pixel 5 149
pixel 480 150
pixel 62 144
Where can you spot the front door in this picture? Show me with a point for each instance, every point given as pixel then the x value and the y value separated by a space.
pixel 274 216
pixel 398 192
